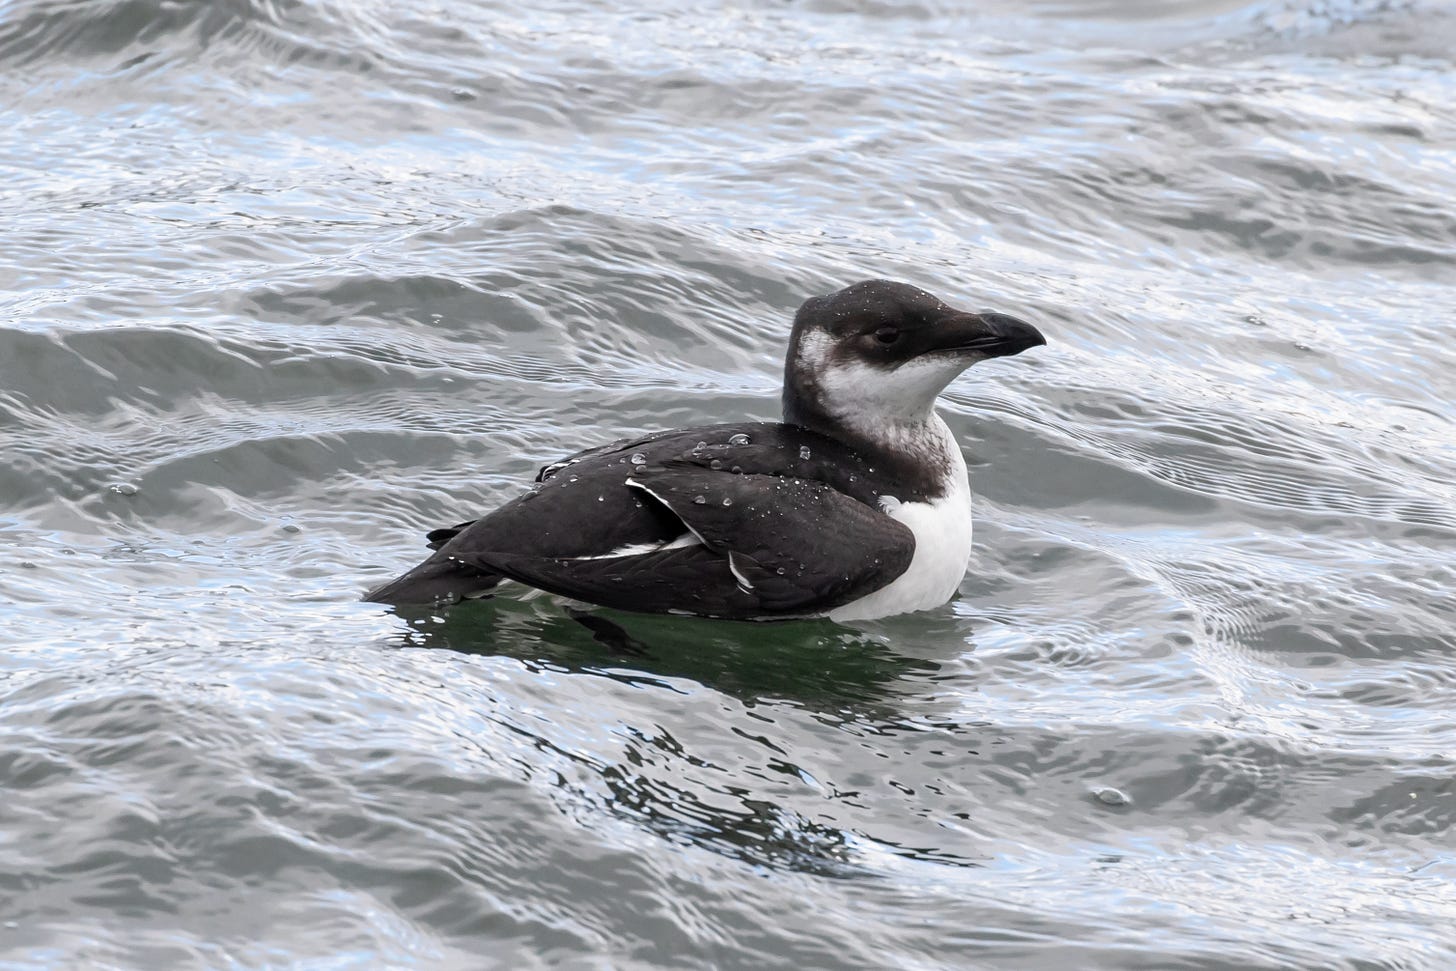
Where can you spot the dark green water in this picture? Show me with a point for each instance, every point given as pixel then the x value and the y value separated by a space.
pixel 283 284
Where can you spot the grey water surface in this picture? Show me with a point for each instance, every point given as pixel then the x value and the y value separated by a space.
pixel 284 283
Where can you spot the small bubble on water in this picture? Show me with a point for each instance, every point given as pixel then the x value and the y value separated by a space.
pixel 27 565
pixel 292 528
pixel 125 489
pixel 1256 319
pixel 1301 345
pixel 739 439
pixel 804 452
pixel 638 458
pixel 699 447
pixel 700 500
pixel 1109 796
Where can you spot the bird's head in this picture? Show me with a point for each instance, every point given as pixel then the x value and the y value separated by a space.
pixel 878 353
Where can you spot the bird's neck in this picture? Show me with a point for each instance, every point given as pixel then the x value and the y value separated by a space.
pixel 917 448
pixel 889 418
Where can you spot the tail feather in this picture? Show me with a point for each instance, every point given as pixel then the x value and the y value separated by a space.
pixel 437 582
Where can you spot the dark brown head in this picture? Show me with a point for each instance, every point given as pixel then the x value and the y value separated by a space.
pixel 878 353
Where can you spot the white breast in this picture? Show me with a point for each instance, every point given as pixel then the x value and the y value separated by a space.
pixel 942 547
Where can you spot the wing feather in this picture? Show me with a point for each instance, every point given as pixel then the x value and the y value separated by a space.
pixel 770 546
pixel 787 527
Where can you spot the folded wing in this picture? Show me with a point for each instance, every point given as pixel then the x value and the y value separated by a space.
pixel 694 521
pixel 759 545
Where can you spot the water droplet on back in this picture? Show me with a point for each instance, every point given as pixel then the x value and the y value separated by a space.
pixel 125 489
pixel 739 439
pixel 727 501
pixel 700 500
pixel 804 453
pixel 715 464
pixel 638 458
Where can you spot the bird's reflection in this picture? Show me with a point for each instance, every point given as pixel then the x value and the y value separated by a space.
pixel 839 674
pixel 817 664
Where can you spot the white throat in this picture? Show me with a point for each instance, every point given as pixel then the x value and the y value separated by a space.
pixel 895 406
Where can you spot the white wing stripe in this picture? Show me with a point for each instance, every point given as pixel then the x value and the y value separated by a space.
pixel 642 549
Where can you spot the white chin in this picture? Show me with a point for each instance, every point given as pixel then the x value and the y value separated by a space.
pixel 863 394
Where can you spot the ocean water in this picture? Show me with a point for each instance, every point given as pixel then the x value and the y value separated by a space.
pixel 284 283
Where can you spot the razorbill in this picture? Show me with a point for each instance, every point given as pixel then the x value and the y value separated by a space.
pixel 855 506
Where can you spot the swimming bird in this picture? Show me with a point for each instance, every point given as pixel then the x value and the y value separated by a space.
pixel 855 506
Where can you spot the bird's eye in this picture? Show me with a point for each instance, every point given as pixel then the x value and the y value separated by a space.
pixel 887 335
